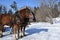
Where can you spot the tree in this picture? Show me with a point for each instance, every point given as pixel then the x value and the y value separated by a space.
pixel 44 12
pixel 0 9
pixel 59 6
pixel 55 11
pixel 4 9
pixel 51 5
pixel 14 5
pixel 10 11
pixel 58 3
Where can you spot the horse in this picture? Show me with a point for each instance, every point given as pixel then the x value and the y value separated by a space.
pixel 18 21
pixel 21 21
pixel 5 19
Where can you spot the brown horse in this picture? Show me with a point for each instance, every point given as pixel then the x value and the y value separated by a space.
pixel 18 21
pixel 5 19
pixel 21 21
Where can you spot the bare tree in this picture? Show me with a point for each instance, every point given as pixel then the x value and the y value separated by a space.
pixel 51 6
pixel 46 11
pixel 55 11
pixel 58 3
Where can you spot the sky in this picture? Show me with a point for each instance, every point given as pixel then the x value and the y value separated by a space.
pixel 21 3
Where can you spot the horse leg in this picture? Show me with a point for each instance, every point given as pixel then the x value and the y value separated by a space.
pixel 15 31
pixel 23 31
pixel 18 32
pixel 11 28
pixel 1 31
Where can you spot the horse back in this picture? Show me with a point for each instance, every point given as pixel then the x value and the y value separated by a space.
pixel 5 18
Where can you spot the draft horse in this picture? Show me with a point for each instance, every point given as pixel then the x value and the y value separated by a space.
pixel 21 21
pixel 5 19
pixel 18 21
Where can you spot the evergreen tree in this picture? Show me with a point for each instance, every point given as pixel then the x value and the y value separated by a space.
pixel 10 11
pixel 0 9
pixel 14 5
pixel 4 9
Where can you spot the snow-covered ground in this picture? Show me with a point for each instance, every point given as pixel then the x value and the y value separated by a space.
pixel 38 31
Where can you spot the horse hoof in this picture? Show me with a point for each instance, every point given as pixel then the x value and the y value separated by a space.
pixel 16 39
pixel 21 36
pixel 1 36
pixel 11 33
pixel 25 35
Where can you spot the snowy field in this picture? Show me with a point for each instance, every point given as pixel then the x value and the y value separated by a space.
pixel 38 31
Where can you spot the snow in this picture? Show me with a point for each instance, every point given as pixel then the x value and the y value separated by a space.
pixel 56 20
pixel 39 31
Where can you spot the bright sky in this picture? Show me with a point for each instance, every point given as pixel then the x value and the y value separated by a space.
pixel 21 3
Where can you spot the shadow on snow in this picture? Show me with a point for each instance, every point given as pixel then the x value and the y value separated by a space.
pixel 34 30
